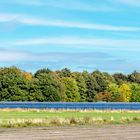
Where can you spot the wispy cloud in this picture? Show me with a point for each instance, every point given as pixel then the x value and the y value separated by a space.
pixel 34 21
pixel 53 59
pixel 57 60
pixel 93 42
pixel 9 55
pixel 135 3
pixel 12 55
pixel 23 2
pixel 100 43
pixel 80 5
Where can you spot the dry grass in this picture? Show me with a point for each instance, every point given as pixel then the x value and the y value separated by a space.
pixel 97 118
pixel 66 121
pixel 69 110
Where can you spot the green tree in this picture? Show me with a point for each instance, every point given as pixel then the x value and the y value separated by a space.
pixel 60 84
pixel 109 78
pixel 65 72
pixel 100 80
pixel 49 87
pixel 113 89
pixel 35 92
pixel 91 86
pixel 81 85
pixel 135 89
pixel 45 70
pixel 134 77
pixel 72 94
pixel 13 85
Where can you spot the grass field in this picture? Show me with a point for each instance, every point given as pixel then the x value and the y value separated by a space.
pixel 20 117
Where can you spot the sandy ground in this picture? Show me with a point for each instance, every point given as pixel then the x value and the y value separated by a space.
pixel 106 132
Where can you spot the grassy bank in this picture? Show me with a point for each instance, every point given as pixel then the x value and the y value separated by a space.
pixel 24 118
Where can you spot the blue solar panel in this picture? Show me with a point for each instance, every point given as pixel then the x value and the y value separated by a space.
pixel 69 105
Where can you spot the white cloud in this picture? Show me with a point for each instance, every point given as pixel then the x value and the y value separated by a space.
pixel 79 61
pixel 10 55
pixel 80 5
pixel 64 4
pixel 101 43
pixel 135 3
pixel 34 21
pixel 23 2
pixel 7 55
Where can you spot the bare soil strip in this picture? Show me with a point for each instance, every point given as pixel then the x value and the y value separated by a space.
pixel 105 132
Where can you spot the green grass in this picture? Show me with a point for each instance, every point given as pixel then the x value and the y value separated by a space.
pixel 32 114
pixel 19 117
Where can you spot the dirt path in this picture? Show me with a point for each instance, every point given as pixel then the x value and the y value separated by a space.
pixel 108 132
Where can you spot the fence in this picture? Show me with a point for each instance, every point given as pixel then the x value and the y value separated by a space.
pixel 70 105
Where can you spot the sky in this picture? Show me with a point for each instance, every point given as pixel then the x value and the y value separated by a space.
pixel 77 34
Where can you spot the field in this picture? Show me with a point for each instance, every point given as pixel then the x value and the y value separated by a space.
pixel 24 118
pixel 69 124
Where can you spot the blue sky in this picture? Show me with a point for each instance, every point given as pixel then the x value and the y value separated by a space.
pixel 78 34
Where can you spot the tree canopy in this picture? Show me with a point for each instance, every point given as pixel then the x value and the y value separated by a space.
pixel 67 86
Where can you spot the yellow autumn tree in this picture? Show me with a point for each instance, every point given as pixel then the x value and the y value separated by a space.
pixel 27 76
pixel 125 93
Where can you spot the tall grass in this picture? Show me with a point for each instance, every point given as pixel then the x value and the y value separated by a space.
pixel 58 117
pixel 66 121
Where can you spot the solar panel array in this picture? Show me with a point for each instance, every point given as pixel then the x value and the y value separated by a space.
pixel 71 105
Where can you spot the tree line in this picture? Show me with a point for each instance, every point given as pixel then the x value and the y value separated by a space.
pixel 67 86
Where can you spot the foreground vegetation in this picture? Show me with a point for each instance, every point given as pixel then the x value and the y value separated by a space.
pixel 64 85
pixel 26 118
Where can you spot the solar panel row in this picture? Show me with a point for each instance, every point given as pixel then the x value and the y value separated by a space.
pixel 70 105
